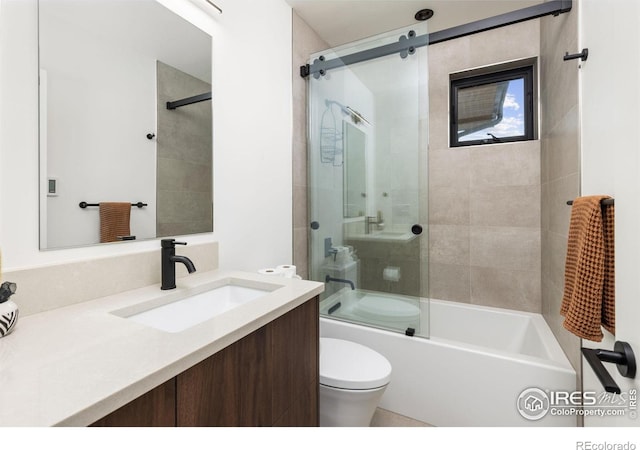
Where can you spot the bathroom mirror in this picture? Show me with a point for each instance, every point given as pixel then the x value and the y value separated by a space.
pixel 107 70
pixel 355 183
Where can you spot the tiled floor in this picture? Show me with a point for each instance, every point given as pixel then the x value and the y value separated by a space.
pixel 384 418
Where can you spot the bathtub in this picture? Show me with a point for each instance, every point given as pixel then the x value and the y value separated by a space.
pixel 472 369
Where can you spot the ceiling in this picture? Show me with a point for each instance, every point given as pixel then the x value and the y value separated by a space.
pixel 343 21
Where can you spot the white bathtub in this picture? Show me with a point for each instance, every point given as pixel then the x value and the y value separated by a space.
pixel 471 371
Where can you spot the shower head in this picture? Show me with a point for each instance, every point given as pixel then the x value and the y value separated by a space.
pixel 355 116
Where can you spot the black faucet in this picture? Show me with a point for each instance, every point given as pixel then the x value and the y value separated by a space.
pixel 329 279
pixel 169 260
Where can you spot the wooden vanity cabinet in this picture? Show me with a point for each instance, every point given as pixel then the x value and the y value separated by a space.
pixel 156 408
pixel 268 378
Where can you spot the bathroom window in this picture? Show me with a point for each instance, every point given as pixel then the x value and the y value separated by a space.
pixel 492 107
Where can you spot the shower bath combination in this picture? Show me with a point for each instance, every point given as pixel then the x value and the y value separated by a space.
pixel 364 199
pixel 371 98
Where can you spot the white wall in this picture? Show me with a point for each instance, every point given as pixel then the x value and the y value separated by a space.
pixel 610 117
pixel 252 137
pixel 96 143
pixel 3 38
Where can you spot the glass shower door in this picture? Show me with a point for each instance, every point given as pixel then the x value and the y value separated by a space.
pixel 367 176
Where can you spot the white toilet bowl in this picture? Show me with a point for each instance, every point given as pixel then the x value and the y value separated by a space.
pixel 352 380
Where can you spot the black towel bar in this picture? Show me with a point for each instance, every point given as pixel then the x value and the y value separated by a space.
pixel 83 205
pixel 583 55
pixel 189 100
pixel 605 202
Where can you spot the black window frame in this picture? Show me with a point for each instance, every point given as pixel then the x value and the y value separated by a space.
pixel 460 81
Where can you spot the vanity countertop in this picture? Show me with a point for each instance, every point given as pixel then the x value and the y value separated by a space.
pixel 73 365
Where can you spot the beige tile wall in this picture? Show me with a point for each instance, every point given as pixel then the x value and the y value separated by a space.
pixel 560 162
pixel 484 201
pixel 184 142
pixel 305 42
pixel 498 219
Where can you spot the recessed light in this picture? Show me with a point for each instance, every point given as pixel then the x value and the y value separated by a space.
pixel 424 14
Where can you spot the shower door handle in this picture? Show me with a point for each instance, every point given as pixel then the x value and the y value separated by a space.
pixel 416 229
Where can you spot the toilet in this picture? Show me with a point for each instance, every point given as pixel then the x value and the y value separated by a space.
pixel 352 380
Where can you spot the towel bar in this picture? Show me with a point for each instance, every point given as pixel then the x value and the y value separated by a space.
pixel 83 205
pixel 583 55
pixel 605 202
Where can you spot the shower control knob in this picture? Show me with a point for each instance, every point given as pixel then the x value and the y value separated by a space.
pixel 416 229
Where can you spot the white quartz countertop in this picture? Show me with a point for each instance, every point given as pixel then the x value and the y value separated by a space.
pixel 73 365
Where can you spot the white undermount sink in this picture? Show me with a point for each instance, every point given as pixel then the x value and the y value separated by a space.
pixel 173 314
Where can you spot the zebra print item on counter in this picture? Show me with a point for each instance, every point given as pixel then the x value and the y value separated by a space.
pixel 7 322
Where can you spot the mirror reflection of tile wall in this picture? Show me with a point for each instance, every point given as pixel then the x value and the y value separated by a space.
pixel 184 142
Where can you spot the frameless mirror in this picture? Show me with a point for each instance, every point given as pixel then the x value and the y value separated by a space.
pixel 355 182
pixel 107 70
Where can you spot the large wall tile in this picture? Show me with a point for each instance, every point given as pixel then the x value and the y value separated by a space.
pixel 512 289
pixel 560 191
pixel 554 258
pixel 505 44
pixel 561 164
pixel 449 164
pixel 448 57
pixel 559 96
pixel 568 342
pixel 449 205
pixel 449 282
pixel 300 219
pixel 514 164
pixel 505 248
pixel 439 128
pixel 507 206
pixel 301 252
pixel 563 151
pixel 449 244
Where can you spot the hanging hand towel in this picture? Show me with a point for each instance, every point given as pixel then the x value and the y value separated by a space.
pixel 609 292
pixel 589 287
pixel 114 221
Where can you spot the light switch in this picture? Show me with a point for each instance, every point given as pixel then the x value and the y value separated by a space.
pixel 52 187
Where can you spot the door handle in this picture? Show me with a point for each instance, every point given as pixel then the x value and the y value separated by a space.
pixel 622 356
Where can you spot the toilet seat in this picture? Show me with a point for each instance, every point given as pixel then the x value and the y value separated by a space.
pixel 349 365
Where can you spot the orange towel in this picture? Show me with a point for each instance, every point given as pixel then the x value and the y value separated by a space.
pixel 589 287
pixel 114 221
